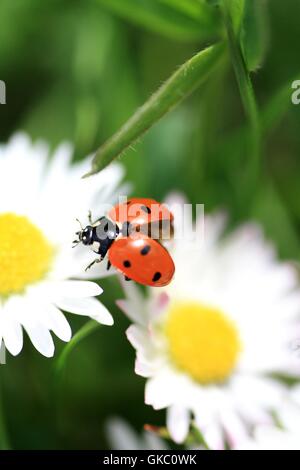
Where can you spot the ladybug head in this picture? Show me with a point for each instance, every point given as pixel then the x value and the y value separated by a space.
pixel 86 235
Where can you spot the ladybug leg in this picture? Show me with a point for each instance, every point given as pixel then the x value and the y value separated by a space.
pixel 127 278
pixel 97 260
pixel 108 265
pixel 90 217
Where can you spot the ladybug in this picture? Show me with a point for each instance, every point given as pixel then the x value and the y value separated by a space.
pixel 129 235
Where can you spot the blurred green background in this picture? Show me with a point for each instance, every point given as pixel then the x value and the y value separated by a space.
pixel 77 70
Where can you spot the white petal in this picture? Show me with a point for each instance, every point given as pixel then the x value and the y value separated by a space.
pixel 146 355
pixel 10 328
pixel 89 307
pixel 75 289
pixel 234 427
pixel 128 309
pixel 121 436
pixel 134 306
pixel 143 369
pixel 178 422
pixel 159 391
pixel 138 337
pixel 57 322
pixel 153 442
pixel 40 337
pixel 213 436
pixel 12 335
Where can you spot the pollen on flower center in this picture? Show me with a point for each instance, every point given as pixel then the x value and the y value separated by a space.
pixel 203 342
pixel 25 254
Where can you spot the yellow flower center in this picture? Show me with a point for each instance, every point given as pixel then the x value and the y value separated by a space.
pixel 25 254
pixel 203 342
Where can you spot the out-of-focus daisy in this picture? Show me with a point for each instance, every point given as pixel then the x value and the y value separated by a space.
pixel 209 341
pixel 284 436
pixel 122 436
pixel 40 274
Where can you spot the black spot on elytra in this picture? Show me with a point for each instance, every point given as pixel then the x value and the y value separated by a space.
pixel 146 209
pixel 126 263
pixel 156 277
pixel 145 250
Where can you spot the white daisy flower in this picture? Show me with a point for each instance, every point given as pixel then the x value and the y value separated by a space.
pixel 208 342
pixel 40 273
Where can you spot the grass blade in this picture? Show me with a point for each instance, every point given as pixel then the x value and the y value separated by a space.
pixel 254 33
pixel 247 95
pixel 186 79
pixel 165 18
pixel 197 10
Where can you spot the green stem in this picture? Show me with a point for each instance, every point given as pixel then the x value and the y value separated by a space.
pixel 185 80
pixel 199 437
pixel 85 331
pixel 59 369
pixel 4 441
pixel 247 95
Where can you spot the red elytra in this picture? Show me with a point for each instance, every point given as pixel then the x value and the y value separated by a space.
pixel 140 211
pixel 143 260
pixel 139 257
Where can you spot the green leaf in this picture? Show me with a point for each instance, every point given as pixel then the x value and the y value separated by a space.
pixel 196 9
pixel 254 33
pixel 85 331
pixel 186 79
pixel 172 18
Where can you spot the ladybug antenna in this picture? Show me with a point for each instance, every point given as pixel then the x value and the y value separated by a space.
pixel 76 242
pixel 77 220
